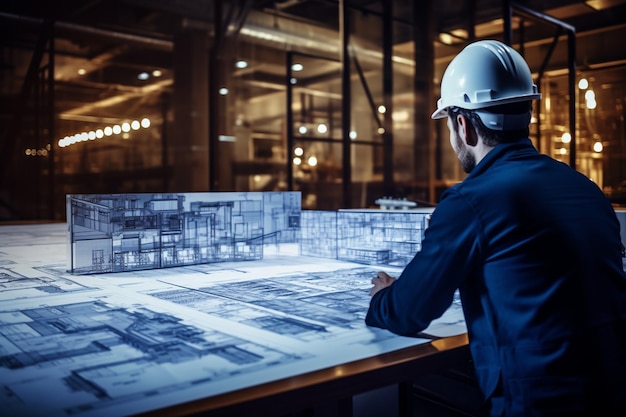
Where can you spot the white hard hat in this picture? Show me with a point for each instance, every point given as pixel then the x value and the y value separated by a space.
pixel 487 73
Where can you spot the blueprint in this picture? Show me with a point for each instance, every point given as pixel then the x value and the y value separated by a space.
pixel 373 237
pixel 129 232
pixel 120 343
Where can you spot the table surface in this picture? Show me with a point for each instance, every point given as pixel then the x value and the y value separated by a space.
pixel 213 337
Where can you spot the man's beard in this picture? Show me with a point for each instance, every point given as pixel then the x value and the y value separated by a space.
pixel 466 158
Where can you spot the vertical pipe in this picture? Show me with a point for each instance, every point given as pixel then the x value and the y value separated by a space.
pixel 344 25
pixel 388 185
pixel 213 75
pixel 426 142
pixel 164 143
pixel 51 126
pixel 289 129
pixel 507 15
pixel 571 84
pixel 472 21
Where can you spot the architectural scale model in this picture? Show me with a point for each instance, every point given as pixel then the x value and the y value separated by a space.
pixel 128 232
pixel 373 237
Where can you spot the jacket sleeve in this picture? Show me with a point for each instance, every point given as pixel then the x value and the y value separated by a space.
pixel 451 252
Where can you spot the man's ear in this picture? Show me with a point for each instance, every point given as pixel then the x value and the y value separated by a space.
pixel 466 130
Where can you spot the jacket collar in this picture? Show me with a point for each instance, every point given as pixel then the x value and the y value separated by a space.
pixel 497 152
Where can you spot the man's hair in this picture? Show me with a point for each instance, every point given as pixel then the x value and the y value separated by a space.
pixel 493 137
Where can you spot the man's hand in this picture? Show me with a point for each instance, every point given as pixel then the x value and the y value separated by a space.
pixel 380 281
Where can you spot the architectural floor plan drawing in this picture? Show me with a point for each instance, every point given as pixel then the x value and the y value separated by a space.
pixel 97 355
pixel 312 306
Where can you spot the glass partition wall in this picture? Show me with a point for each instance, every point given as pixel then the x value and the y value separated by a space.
pixel 330 98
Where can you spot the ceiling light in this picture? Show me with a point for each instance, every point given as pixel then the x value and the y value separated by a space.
pixel 241 64
pixel 566 138
pixel 297 67
pixel 157 73
pixel 446 38
pixel 597 147
pixel 143 76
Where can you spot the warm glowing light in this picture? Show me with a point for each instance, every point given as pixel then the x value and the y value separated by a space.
pixel 583 84
pixel 322 128
pixel 381 130
pixel 566 138
pixel 223 91
pixel 143 76
pixel 352 134
pixel 591 104
pixel 562 151
pixel 302 129
pixel 297 67
pixel 241 64
pixel 382 109
pixel 157 73
pixel 297 161
pixel 82 71
pixel 590 95
pixel 597 147
pixel 446 38
pixel 400 116
pixel 312 161
pixel 298 151
pixel 100 133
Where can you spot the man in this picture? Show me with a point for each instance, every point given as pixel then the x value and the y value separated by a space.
pixel 533 247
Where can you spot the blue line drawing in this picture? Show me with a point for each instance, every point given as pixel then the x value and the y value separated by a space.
pixel 129 232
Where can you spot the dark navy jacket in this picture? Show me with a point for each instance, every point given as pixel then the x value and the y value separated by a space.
pixel 534 248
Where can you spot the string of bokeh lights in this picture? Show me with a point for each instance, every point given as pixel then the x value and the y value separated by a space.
pixel 119 129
